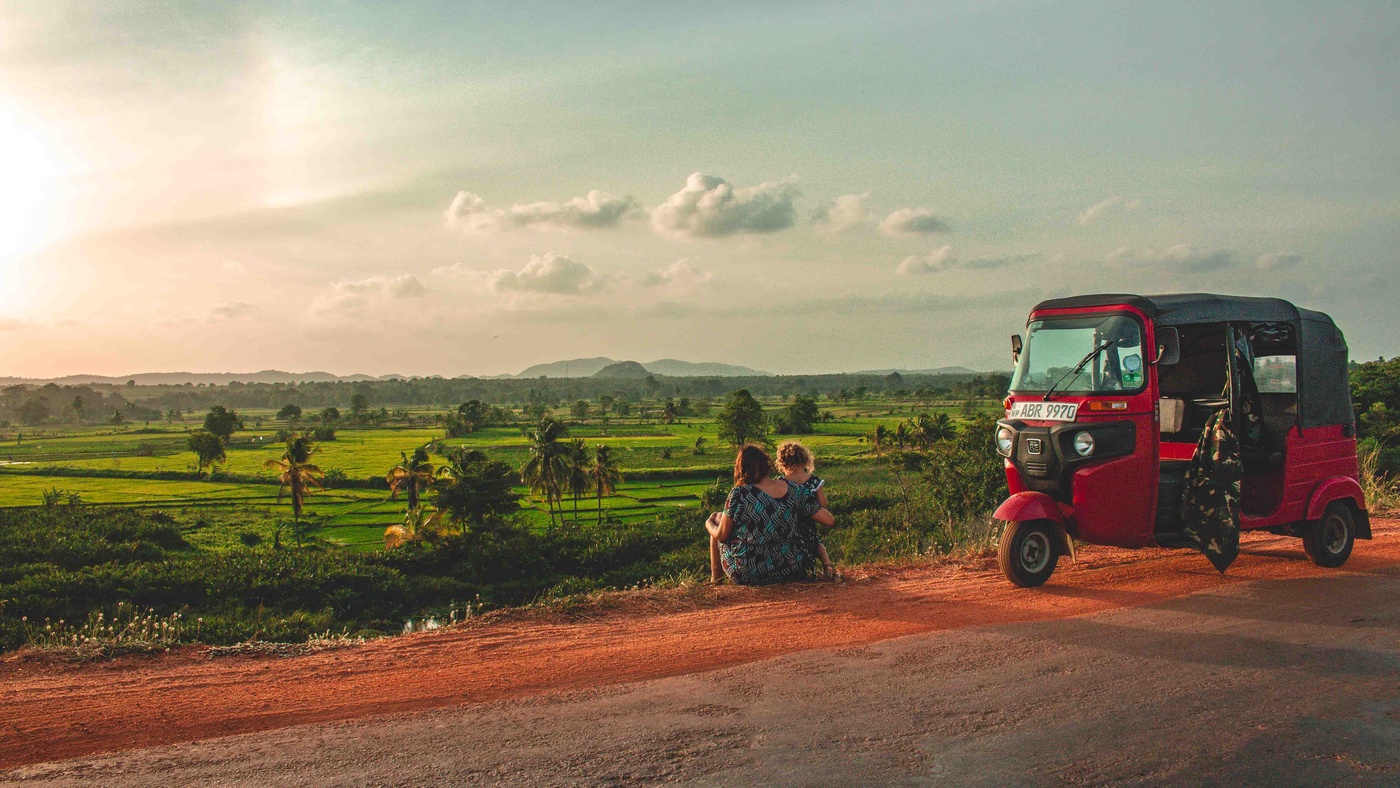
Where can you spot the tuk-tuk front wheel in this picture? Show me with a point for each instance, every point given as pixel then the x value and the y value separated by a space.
pixel 1328 540
pixel 1028 552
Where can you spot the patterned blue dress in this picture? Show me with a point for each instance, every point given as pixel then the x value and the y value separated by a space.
pixel 763 547
pixel 805 534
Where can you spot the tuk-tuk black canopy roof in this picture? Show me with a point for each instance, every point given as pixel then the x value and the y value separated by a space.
pixel 1323 394
pixel 1181 309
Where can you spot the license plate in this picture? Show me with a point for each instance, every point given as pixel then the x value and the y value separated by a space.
pixel 1045 411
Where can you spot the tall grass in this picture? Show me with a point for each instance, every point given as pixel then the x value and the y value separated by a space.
pixel 126 629
pixel 1381 490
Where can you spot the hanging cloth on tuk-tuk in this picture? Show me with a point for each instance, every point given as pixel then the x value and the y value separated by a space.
pixel 1210 500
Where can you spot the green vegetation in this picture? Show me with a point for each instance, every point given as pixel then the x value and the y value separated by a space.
pixel 499 502
pixel 1375 394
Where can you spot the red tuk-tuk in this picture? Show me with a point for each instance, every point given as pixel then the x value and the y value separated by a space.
pixel 1108 404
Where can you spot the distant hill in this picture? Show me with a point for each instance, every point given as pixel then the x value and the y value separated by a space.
pixel 629 370
pixel 933 371
pixel 703 369
pixel 573 368
pixel 670 367
pixel 208 378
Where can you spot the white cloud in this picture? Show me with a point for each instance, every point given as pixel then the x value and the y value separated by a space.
pixel 352 297
pixel 1116 202
pixel 912 221
pixel 552 273
pixel 708 207
pixel 229 310
pixel 406 286
pixel 1277 261
pixel 943 258
pixel 1182 257
pixel 462 271
pixel 933 261
pixel 987 263
pixel 842 214
pixel 596 210
pixel 680 273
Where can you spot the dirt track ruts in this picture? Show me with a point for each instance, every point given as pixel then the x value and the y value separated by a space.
pixel 54 711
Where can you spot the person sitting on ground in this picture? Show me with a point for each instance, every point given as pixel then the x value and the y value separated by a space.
pixel 796 463
pixel 752 540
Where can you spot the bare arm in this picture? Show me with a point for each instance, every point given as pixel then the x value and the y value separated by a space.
pixel 720 526
pixel 824 517
pixel 821 497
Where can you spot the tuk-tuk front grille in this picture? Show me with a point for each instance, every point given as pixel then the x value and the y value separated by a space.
pixel 1037 468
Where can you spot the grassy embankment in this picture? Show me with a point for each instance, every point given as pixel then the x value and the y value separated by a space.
pixel 172 546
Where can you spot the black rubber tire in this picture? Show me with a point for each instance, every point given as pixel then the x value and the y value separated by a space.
pixel 1329 539
pixel 1029 551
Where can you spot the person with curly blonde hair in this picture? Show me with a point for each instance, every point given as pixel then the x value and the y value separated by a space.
pixel 797 464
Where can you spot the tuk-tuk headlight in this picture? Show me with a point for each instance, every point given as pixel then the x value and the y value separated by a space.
pixel 1084 444
pixel 1005 437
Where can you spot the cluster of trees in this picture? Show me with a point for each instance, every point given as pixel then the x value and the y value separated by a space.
pixel 558 466
pixel 918 432
pixel 209 442
pixel 384 395
pixel 474 414
pixel 55 404
pixel 471 488
pixel 1375 396
pixel 742 419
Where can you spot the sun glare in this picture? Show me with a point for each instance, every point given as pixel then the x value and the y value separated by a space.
pixel 33 171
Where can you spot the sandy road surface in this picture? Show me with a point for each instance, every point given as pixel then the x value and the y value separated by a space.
pixel 1286 669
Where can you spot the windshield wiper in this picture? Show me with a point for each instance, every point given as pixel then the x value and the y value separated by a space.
pixel 1093 354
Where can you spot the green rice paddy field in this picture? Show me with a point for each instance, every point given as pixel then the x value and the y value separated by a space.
pixel 217 512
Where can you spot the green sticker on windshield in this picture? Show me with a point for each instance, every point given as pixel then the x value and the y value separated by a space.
pixel 1131 379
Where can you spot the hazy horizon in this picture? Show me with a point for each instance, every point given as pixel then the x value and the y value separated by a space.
pixel 985 368
pixel 425 189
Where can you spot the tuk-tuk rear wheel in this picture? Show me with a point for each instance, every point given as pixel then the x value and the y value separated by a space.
pixel 1029 552
pixel 1328 540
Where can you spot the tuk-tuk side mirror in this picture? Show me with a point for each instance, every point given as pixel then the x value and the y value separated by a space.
pixel 1168 346
pixel 1015 348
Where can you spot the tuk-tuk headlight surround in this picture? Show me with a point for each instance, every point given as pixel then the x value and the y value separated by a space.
pixel 1084 444
pixel 1005 440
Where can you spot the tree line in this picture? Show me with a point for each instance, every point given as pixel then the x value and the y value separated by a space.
pixel 19 404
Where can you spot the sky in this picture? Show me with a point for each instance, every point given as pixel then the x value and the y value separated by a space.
pixel 444 188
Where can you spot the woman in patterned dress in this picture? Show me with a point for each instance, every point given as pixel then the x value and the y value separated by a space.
pixel 754 540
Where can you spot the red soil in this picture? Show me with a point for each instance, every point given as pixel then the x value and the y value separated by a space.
pixel 51 711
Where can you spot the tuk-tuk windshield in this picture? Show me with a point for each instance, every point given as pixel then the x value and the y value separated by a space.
pixel 1054 346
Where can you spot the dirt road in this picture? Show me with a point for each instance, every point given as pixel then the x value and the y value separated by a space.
pixel 1277 671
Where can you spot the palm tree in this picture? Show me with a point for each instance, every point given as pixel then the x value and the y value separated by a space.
pixel 576 458
pixel 671 413
pixel 880 439
pixel 546 469
pixel 604 476
pixel 901 434
pixel 412 475
pixel 418 527
pixel 700 445
pixel 457 460
pixel 298 475
pixel 942 428
pixel 926 430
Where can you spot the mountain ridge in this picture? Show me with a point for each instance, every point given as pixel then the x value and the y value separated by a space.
pixel 669 367
pixel 573 368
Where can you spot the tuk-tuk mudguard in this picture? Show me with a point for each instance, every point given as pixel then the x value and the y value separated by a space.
pixel 1031 505
pixel 1337 488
